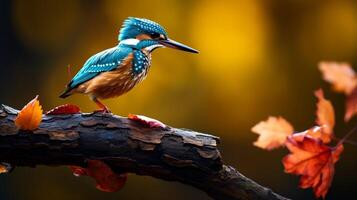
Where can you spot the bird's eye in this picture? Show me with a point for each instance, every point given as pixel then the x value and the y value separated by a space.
pixel 156 36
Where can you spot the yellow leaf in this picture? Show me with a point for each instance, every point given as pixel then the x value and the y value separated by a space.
pixel 340 75
pixel 273 132
pixel 29 118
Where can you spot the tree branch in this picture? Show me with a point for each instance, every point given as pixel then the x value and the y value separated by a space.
pixel 127 146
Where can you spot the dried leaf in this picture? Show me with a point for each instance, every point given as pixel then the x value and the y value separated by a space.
pixel 318 133
pixel 313 161
pixel 340 75
pixel 152 123
pixel 273 132
pixel 106 179
pixel 65 109
pixel 325 116
pixel 29 118
pixel 351 105
pixel 5 168
pixel 78 171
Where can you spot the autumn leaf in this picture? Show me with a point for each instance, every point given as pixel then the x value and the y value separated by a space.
pixel 313 161
pixel 351 105
pixel 318 133
pixel 152 123
pixel 272 132
pixel 106 179
pixel 340 75
pixel 343 79
pixel 5 167
pixel 65 109
pixel 29 118
pixel 325 116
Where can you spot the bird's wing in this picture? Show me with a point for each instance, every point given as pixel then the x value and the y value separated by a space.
pixel 104 61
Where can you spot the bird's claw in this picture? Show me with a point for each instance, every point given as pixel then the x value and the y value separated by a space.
pixel 103 111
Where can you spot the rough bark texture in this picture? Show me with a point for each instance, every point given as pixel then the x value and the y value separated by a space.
pixel 127 146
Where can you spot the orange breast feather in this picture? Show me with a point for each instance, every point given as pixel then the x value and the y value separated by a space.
pixel 113 83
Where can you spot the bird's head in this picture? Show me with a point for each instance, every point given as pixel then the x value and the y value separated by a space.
pixel 149 35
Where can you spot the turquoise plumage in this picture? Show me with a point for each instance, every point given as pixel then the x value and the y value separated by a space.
pixel 117 70
pixel 136 26
pixel 106 60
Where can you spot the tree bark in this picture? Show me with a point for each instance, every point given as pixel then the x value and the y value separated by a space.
pixel 127 146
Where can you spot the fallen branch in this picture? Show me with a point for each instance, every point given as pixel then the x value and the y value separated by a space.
pixel 127 146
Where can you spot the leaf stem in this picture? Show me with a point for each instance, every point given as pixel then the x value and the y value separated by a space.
pixel 344 139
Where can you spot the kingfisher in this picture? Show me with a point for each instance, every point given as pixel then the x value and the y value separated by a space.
pixel 117 70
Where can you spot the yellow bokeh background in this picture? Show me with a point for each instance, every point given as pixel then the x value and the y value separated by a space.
pixel 257 58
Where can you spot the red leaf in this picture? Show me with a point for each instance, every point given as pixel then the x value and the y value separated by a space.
pixel 78 171
pixel 152 123
pixel 313 161
pixel 64 109
pixel 318 133
pixel 272 132
pixel 106 179
pixel 30 117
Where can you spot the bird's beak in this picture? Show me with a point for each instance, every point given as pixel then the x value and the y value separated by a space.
pixel 176 45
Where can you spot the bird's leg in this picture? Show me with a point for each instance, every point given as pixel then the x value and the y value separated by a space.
pixel 102 107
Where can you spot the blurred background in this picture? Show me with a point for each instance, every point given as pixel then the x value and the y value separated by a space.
pixel 257 58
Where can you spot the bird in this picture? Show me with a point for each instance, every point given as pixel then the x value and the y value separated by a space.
pixel 117 70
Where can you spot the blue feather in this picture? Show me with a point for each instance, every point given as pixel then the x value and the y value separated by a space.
pixel 104 61
pixel 135 26
pixel 141 62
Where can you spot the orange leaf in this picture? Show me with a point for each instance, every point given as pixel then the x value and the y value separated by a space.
pixel 325 116
pixel 318 133
pixel 106 179
pixel 29 118
pixel 340 75
pixel 5 168
pixel 65 109
pixel 351 105
pixel 313 161
pixel 273 132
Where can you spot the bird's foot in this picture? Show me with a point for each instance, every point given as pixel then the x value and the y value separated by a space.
pixel 103 110
pixel 147 121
